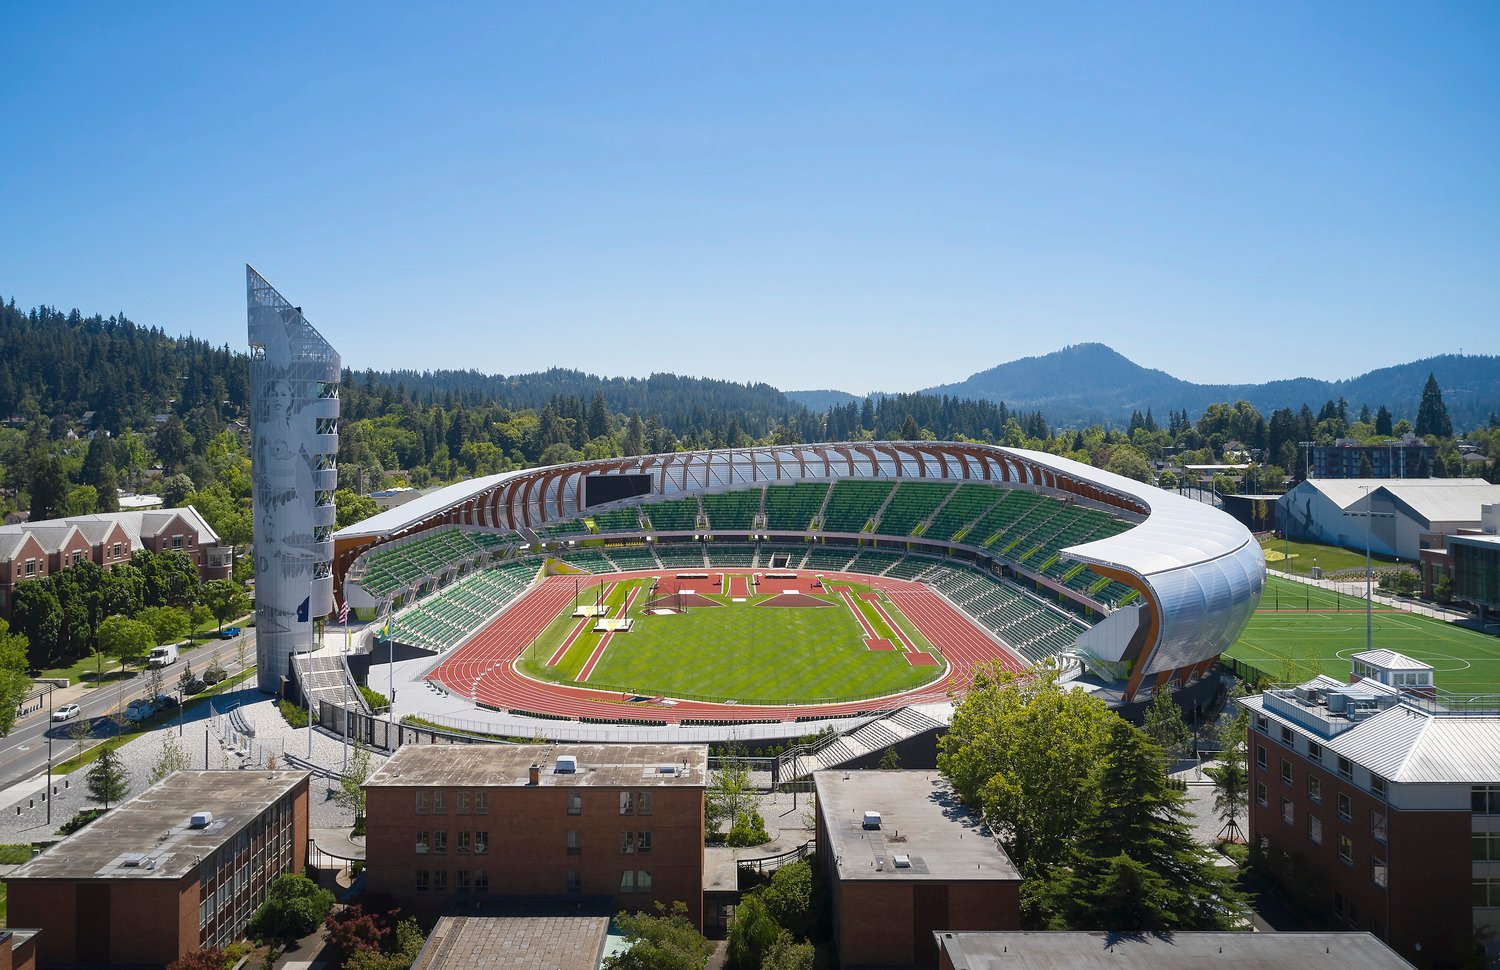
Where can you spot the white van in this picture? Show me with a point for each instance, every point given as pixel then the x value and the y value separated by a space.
pixel 163 656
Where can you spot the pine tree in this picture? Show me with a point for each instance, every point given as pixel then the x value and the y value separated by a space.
pixel 1134 865
pixel 49 487
pixel 1383 421
pixel 1432 413
pixel 108 781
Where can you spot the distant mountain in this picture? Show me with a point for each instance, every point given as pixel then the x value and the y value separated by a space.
pixel 821 400
pixel 1086 383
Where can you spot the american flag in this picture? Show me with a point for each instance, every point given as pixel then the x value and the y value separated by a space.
pixel 344 613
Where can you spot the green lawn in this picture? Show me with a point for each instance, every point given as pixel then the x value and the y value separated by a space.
pixel 1301 631
pixel 1298 557
pixel 736 651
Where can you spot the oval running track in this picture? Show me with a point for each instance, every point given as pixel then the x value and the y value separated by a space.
pixel 484 669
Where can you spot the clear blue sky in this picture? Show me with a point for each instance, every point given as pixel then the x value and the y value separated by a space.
pixel 864 196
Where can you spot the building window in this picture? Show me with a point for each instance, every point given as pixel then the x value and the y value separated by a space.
pixel 1486 892
pixel 1338 902
pixel 1260 793
pixel 462 802
pixel 1379 872
pixel 1286 772
pixel 465 844
pixel 481 802
pixel 481 881
pixel 575 803
pixel 1346 811
pixel 1486 846
pixel 1377 785
pixel 1261 724
pixel 177 542
pixel 424 802
pixel 421 848
pixel 1315 751
pixel 643 803
pixel 627 843
pixel 643 843
pixel 1286 735
pixel 1485 799
pixel 1377 826
pixel 1286 810
pixel 573 847
pixel 1315 829
pixel 627 881
pixel 1260 755
pixel 461 881
pixel 440 880
pixel 1314 788
pixel 424 880
pixel 1346 850
pixel 440 803
pixel 481 843
pixel 1346 770
pixel 1353 915
pixel 439 843
pixel 572 882
pixel 31 567
pixel 642 881
pixel 627 803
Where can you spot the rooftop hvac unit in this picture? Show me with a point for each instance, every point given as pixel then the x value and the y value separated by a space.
pixel 566 764
pixel 903 862
pixel 872 820
pixel 1337 703
pixel 201 820
pixel 133 860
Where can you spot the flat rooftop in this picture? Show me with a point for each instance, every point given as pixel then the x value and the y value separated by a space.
pixel 508 765
pixel 504 937
pixel 1055 950
pixel 148 837
pixel 921 818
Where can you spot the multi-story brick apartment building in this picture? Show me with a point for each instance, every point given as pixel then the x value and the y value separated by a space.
pixel 615 822
pixel 148 883
pixel 919 864
pixel 32 550
pixel 1385 793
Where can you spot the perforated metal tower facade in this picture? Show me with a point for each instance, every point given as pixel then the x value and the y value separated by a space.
pixel 294 402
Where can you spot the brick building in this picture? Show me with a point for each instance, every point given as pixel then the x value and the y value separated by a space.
pixel 32 550
pixel 145 885
pixel 615 823
pixel 1385 795
pixel 919 865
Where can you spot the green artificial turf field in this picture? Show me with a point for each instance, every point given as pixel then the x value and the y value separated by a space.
pixel 742 652
pixel 1315 631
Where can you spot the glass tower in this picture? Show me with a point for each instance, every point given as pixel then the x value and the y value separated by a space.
pixel 294 406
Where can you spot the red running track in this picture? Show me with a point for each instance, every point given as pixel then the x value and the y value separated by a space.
pixel 484 669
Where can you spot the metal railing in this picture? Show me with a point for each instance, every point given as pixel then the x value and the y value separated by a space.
pixel 773 862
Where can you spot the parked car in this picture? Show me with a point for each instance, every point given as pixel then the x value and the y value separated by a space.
pixel 66 712
pixel 164 701
pixel 229 633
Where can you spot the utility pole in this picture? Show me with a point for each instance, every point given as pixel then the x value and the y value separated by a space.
pixel 1369 516
pixel 51 711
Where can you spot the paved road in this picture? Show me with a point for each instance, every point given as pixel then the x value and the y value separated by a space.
pixel 23 752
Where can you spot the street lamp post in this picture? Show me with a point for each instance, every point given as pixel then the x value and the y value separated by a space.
pixel 1369 515
pixel 51 710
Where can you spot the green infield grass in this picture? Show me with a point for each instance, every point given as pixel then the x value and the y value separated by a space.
pixel 744 652
pixel 1302 631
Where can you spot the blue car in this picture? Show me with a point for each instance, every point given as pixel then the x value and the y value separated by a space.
pixel 229 633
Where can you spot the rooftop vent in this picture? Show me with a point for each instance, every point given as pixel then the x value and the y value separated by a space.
pixel 872 820
pixel 667 769
pixel 903 862
pixel 201 820
pixel 566 764
pixel 133 860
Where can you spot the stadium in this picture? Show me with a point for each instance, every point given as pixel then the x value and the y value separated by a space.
pixel 796 583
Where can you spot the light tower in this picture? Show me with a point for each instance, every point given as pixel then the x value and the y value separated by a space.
pixel 294 443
